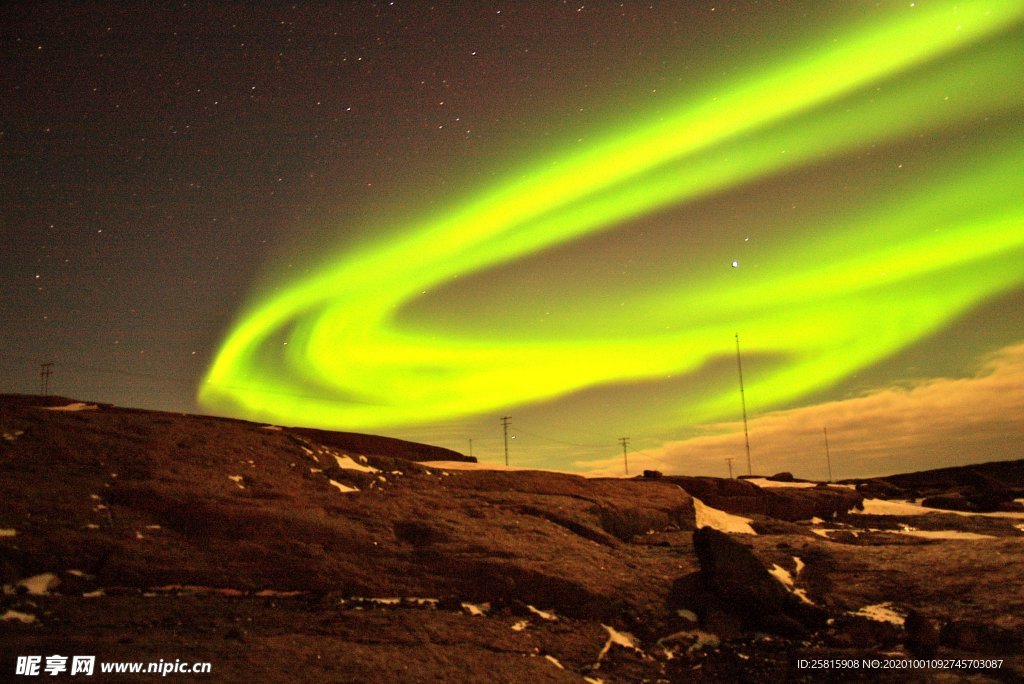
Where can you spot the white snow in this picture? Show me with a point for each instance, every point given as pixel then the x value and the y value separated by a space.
pixel 553 661
pixel 781 574
pixel 342 488
pixel 764 482
pixel 281 594
pixel 701 639
pixel 817 521
pixel 346 463
pixel 271 427
pixel 624 639
pixel 784 576
pixel 237 479
pixel 13 435
pixel 706 516
pixel 475 609
pixel 26 618
pixel 799 566
pixel 544 614
pixel 7 532
pixel 76 406
pixel 94 594
pixel 1020 527
pixel 884 507
pixel 92 526
pixel 880 612
pixel 520 626
pixel 944 534
pixel 39 585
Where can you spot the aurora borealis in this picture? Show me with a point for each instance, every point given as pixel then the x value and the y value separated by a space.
pixel 838 185
pixel 825 303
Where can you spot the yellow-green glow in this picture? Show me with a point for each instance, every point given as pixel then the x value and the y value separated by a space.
pixel 334 349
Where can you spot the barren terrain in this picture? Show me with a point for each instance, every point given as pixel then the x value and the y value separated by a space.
pixel 280 554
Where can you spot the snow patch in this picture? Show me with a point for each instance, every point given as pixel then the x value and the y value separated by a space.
pixel 26 618
pixel 764 482
pixel 342 488
pixel 817 521
pixel 476 609
pixel 94 594
pixel 885 507
pixel 346 463
pixel 944 534
pixel 40 585
pixel 520 626
pixel 13 435
pixel 237 479
pixel 880 612
pixel 624 639
pixel 782 575
pixel 544 614
pixel 8 532
pixel 272 427
pixel 1020 527
pixel 553 661
pixel 76 406
pixel 699 638
pixel 799 566
pixel 706 516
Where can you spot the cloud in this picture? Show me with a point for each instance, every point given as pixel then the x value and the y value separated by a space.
pixel 930 424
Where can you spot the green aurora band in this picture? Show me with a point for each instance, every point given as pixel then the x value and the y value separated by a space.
pixel 828 302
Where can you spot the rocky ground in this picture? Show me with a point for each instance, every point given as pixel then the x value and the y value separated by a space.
pixel 311 556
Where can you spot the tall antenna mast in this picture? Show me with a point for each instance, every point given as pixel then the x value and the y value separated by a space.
pixel 828 456
pixel 743 402
pixel 504 424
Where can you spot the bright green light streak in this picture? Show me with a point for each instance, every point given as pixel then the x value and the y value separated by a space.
pixel 348 363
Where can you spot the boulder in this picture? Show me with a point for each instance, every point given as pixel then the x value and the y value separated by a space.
pixel 922 635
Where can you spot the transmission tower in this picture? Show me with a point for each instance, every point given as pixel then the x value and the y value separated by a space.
pixel 45 371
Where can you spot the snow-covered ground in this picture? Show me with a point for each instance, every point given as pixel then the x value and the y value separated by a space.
pixel 77 406
pixel 706 516
pixel 763 482
pixel 884 507
pixel 881 612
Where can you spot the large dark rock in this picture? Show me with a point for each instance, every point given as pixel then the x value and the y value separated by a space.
pixel 922 635
pixel 951 501
pixel 977 637
pixel 736 582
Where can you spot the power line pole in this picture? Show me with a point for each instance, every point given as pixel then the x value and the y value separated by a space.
pixel 828 456
pixel 624 441
pixel 504 424
pixel 471 447
pixel 729 460
pixel 743 401
pixel 45 371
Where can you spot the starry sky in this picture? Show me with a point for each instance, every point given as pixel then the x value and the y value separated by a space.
pixel 413 218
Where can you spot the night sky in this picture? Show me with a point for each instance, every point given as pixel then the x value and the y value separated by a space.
pixel 413 218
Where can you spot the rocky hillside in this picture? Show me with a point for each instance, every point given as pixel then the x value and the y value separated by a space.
pixel 280 554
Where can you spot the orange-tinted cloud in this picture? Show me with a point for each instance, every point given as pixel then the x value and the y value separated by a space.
pixel 931 424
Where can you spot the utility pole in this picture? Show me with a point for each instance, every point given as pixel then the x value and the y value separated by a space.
pixel 828 456
pixel 470 447
pixel 624 441
pixel 743 401
pixel 729 460
pixel 45 371
pixel 504 424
